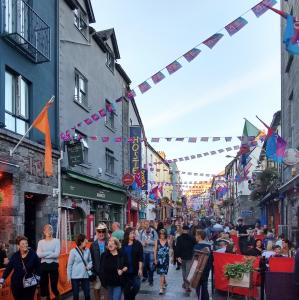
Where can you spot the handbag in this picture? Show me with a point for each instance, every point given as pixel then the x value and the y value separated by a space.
pixel 91 275
pixel 29 280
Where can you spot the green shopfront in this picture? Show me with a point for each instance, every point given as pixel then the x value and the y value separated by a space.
pixel 89 201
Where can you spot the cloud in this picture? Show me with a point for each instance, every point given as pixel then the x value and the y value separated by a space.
pixel 264 73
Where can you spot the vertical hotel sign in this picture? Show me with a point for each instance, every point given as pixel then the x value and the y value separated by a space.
pixel 135 149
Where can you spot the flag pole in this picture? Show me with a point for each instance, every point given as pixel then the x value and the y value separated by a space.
pixel 11 151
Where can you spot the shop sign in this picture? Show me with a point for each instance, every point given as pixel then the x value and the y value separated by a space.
pixel 246 213
pixel 128 179
pixel 144 179
pixel 135 149
pixel 75 153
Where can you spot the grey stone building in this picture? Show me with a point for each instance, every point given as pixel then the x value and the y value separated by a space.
pixel 290 130
pixel 28 79
pixel 90 80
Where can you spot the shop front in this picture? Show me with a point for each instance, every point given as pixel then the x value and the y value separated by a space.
pixel 98 201
pixel 132 212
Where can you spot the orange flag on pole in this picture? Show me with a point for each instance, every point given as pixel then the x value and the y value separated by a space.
pixel 41 123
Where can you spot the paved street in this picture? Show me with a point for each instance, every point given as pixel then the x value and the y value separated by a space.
pixel 173 291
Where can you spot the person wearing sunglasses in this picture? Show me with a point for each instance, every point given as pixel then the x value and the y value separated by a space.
pixel 97 249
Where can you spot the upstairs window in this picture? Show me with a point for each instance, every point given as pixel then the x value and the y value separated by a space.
pixel 16 103
pixel 80 89
pixel 81 21
pixel 110 162
pixel 110 115
pixel 110 60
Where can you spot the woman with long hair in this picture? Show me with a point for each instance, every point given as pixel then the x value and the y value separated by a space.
pixel 133 252
pixel 48 250
pixel 113 269
pixel 161 258
pixel 257 249
pixel 79 267
pixel 25 265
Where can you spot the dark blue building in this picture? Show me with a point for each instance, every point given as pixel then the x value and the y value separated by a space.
pixel 28 79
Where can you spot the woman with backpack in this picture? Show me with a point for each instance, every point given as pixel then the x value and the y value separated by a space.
pixel 79 268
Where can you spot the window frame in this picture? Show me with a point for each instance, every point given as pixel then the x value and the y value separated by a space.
pixel 109 156
pixel 81 18
pixel 85 147
pixel 110 59
pixel 110 117
pixel 79 92
pixel 16 101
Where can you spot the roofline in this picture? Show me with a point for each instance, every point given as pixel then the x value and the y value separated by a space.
pixel 156 152
pixel 73 4
pixel 123 74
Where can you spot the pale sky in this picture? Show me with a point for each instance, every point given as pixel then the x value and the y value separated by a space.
pixel 210 96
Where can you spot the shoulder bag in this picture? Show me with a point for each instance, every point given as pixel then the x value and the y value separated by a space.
pixel 91 275
pixel 29 280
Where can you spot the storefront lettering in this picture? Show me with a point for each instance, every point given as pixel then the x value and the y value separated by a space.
pixel 101 195
pixel 135 159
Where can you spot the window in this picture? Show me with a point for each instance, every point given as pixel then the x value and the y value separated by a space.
pixel 110 59
pixel 80 21
pixel 110 115
pixel 16 103
pixel 83 140
pixel 110 162
pixel 80 89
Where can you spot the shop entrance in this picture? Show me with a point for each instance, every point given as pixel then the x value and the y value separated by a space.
pixel 32 201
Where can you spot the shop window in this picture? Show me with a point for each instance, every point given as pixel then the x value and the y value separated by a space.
pixel 110 162
pixel 81 21
pixel 76 221
pixel 80 89
pixel 16 102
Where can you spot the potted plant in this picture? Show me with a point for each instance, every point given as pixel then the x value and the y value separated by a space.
pixel 240 274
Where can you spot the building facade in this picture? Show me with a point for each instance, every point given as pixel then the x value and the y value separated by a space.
pixel 290 130
pixel 90 80
pixel 28 79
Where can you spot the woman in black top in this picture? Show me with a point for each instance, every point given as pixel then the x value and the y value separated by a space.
pixel 133 251
pixel 23 262
pixel 257 249
pixel 113 268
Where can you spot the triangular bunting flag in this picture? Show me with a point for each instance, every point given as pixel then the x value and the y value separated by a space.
pixel 213 40
pixel 173 67
pixel 235 26
pixel 144 87
pixel 190 55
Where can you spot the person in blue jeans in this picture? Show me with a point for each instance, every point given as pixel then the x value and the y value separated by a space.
pixel 113 269
pixel 78 268
pixel 148 237
pixel 133 250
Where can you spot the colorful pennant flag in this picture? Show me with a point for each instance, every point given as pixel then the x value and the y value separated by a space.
pixel 155 140
pixel 190 55
pixel 158 77
pixel 179 139
pixel 118 139
pixel 213 40
pixel 204 139
pixel 228 139
pixel 192 140
pixel 233 27
pixel 168 139
pixel 95 117
pixel 105 139
pixel 262 7
pixel 215 139
pixel 131 94
pixel 120 99
pixel 102 112
pixel 173 67
pixel 88 121
pixel 144 87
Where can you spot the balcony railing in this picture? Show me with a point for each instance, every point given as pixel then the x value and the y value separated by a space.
pixel 23 28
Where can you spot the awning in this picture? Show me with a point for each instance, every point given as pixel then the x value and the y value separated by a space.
pixel 80 186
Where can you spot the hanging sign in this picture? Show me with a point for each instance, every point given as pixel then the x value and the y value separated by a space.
pixel 135 149
pixel 128 179
pixel 75 153
pixel 144 179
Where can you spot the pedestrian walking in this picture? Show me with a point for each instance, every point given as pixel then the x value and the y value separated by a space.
pixel 48 250
pixel 133 251
pixel 113 269
pixel 202 287
pixel 25 265
pixel 178 232
pixel 148 237
pixel 161 256
pixel 184 248
pixel 243 235
pixel 79 268
pixel 117 232
pixel 97 249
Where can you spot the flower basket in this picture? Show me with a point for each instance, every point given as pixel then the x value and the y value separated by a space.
pixel 244 282
pixel 240 274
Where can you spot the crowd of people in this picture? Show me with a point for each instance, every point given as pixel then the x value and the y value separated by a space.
pixel 116 262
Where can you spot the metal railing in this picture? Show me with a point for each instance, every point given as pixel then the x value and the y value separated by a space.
pixel 22 27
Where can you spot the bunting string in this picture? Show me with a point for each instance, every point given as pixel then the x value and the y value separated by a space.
pixel 232 28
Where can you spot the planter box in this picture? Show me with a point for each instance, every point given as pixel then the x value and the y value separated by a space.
pixel 244 282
